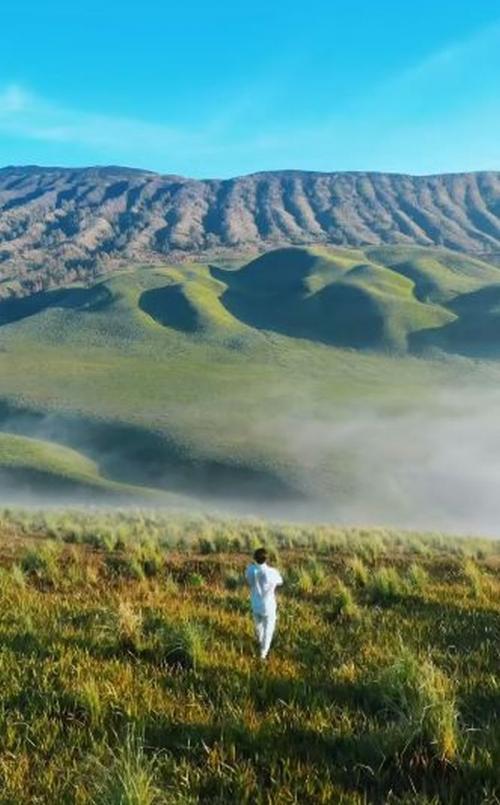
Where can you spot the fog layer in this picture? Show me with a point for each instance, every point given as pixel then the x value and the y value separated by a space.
pixel 432 465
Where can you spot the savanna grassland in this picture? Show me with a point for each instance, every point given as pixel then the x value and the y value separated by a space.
pixel 128 672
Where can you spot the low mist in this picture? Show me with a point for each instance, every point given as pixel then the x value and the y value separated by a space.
pixel 434 465
pixel 431 465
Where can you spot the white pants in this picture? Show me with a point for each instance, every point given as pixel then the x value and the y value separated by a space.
pixel 264 629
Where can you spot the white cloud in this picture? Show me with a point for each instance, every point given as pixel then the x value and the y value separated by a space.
pixel 453 57
pixel 13 99
pixel 31 116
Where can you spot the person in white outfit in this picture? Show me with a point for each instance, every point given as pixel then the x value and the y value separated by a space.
pixel 263 580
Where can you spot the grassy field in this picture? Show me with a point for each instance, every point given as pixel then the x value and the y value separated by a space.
pixel 128 671
pixel 200 380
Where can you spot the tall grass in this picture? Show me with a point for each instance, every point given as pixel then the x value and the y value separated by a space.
pixel 41 563
pixel 474 577
pixel 129 621
pixel 385 587
pixel 420 697
pixel 184 645
pixel 120 687
pixel 129 776
pixel 418 578
pixel 343 603
pixel 358 571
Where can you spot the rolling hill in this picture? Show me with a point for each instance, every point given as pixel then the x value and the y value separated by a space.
pixel 41 469
pixel 59 225
pixel 305 381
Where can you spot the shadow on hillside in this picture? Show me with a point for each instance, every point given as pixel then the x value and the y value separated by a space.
pixel 339 314
pixel 81 299
pixel 458 628
pixel 475 333
pixel 481 708
pixel 378 762
pixel 27 645
pixel 22 483
pixel 169 307
pixel 134 455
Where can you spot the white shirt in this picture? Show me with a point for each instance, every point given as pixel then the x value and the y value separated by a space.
pixel 263 581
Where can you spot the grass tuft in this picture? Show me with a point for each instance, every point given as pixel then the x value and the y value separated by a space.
pixel 358 571
pixel 418 695
pixel 418 578
pixel 474 577
pixel 129 622
pixel 385 587
pixel 41 563
pixel 302 581
pixel 185 646
pixel 130 777
pixel 343 603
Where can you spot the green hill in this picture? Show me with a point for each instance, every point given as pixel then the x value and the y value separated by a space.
pixel 41 468
pixel 475 331
pixel 342 299
pixel 229 383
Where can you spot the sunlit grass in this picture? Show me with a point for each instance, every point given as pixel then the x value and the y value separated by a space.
pixel 144 687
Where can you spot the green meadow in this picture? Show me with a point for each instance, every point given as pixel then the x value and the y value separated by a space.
pixel 128 670
pixel 190 379
pixel 29 464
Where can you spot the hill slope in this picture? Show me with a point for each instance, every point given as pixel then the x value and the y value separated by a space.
pixel 129 672
pixel 340 298
pixel 39 468
pixel 254 390
pixel 57 224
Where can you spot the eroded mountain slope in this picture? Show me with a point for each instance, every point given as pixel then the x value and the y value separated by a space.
pixel 58 225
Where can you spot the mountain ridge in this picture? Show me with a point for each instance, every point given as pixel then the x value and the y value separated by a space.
pixel 147 171
pixel 59 225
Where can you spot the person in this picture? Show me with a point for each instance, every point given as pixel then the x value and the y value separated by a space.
pixel 263 580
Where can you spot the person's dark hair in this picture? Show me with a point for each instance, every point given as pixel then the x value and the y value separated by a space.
pixel 260 556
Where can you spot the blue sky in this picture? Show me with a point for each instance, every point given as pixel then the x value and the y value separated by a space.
pixel 224 88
